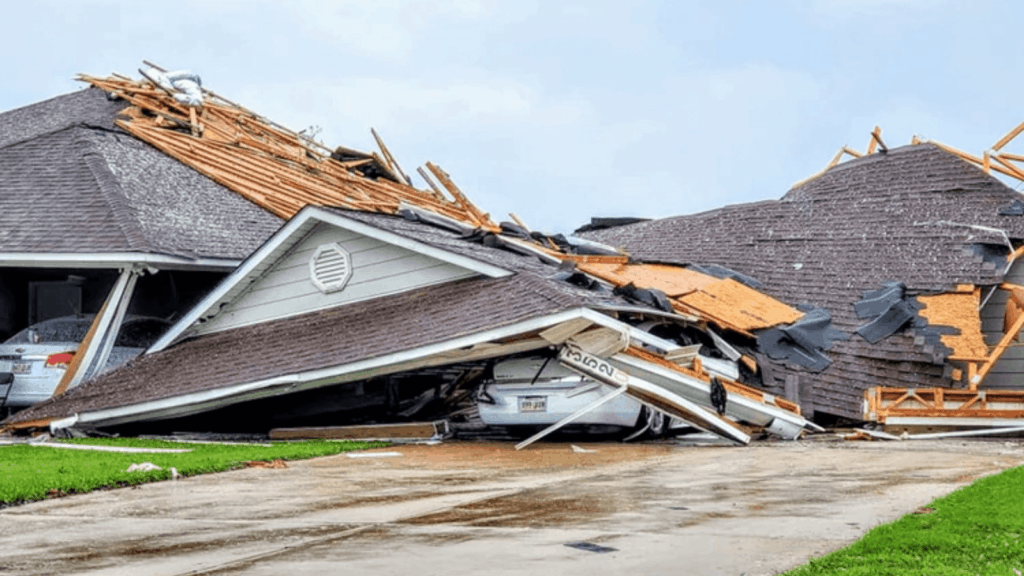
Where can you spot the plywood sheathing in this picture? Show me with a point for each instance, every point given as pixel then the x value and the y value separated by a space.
pixel 727 303
pixel 740 307
pixel 958 310
pixel 674 281
pixel 274 168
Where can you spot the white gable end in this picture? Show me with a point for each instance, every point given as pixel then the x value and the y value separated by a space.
pixel 331 267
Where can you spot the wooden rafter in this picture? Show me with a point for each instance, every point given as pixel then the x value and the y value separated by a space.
pixel 990 160
pixel 270 165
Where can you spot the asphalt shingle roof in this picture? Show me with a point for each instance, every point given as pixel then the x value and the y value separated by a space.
pixel 336 336
pixel 904 216
pixel 70 181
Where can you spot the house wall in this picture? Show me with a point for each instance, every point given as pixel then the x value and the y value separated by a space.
pixel 378 269
pixel 1008 373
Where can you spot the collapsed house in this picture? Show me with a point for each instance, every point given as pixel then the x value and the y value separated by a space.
pixel 913 251
pixel 342 307
pixel 378 301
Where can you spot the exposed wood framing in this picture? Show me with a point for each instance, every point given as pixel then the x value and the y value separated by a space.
pixel 881 403
pixel 993 159
pixel 272 166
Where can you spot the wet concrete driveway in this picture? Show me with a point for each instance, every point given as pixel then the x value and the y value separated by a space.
pixel 475 509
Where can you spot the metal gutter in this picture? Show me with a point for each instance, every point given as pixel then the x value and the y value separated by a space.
pixel 113 260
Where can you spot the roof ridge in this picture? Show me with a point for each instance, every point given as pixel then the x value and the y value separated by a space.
pixel 110 186
pixel 39 135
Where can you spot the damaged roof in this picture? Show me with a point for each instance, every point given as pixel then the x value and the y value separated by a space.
pixel 65 166
pixel 340 335
pixel 916 214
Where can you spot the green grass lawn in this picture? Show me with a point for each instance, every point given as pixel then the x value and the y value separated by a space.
pixel 978 529
pixel 32 473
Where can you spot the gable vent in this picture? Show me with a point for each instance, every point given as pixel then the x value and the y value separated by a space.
pixel 330 267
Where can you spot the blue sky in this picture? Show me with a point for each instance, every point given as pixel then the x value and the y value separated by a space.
pixel 560 111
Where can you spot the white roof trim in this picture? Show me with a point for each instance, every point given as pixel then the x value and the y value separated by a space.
pixel 112 260
pixel 285 235
pixel 477 266
pixel 739 406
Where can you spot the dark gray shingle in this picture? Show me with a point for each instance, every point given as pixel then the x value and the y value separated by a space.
pixel 70 181
pixel 896 216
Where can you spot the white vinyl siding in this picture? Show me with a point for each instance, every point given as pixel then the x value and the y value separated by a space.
pixel 1008 373
pixel 378 269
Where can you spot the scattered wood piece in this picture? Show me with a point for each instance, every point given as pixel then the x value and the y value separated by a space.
pixel 559 333
pixel 276 463
pixel 383 432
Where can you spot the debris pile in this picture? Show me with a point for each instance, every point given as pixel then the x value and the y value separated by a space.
pixel 912 252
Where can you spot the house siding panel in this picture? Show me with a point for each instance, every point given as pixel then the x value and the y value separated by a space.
pixel 378 269
pixel 1008 372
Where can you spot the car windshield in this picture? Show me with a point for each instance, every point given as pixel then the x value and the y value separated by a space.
pixel 141 332
pixel 135 333
pixel 67 329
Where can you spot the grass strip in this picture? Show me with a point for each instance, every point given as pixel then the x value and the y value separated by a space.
pixel 978 529
pixel 30 473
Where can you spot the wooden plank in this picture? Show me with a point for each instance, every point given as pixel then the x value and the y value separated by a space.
pixel 1009 136
pixel 76 362
pixel 287 153
pixel 384 432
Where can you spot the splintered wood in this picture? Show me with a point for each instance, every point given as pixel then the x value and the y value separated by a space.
pixel 273 167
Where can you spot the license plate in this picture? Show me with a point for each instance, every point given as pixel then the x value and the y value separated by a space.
pixel 533 403
pixel 21 368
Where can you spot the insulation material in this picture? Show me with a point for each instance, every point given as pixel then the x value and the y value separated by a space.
pixel 960 311
pixel 674 281
pixel 740 307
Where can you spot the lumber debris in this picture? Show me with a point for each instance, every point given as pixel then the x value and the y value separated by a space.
pixel 274 167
